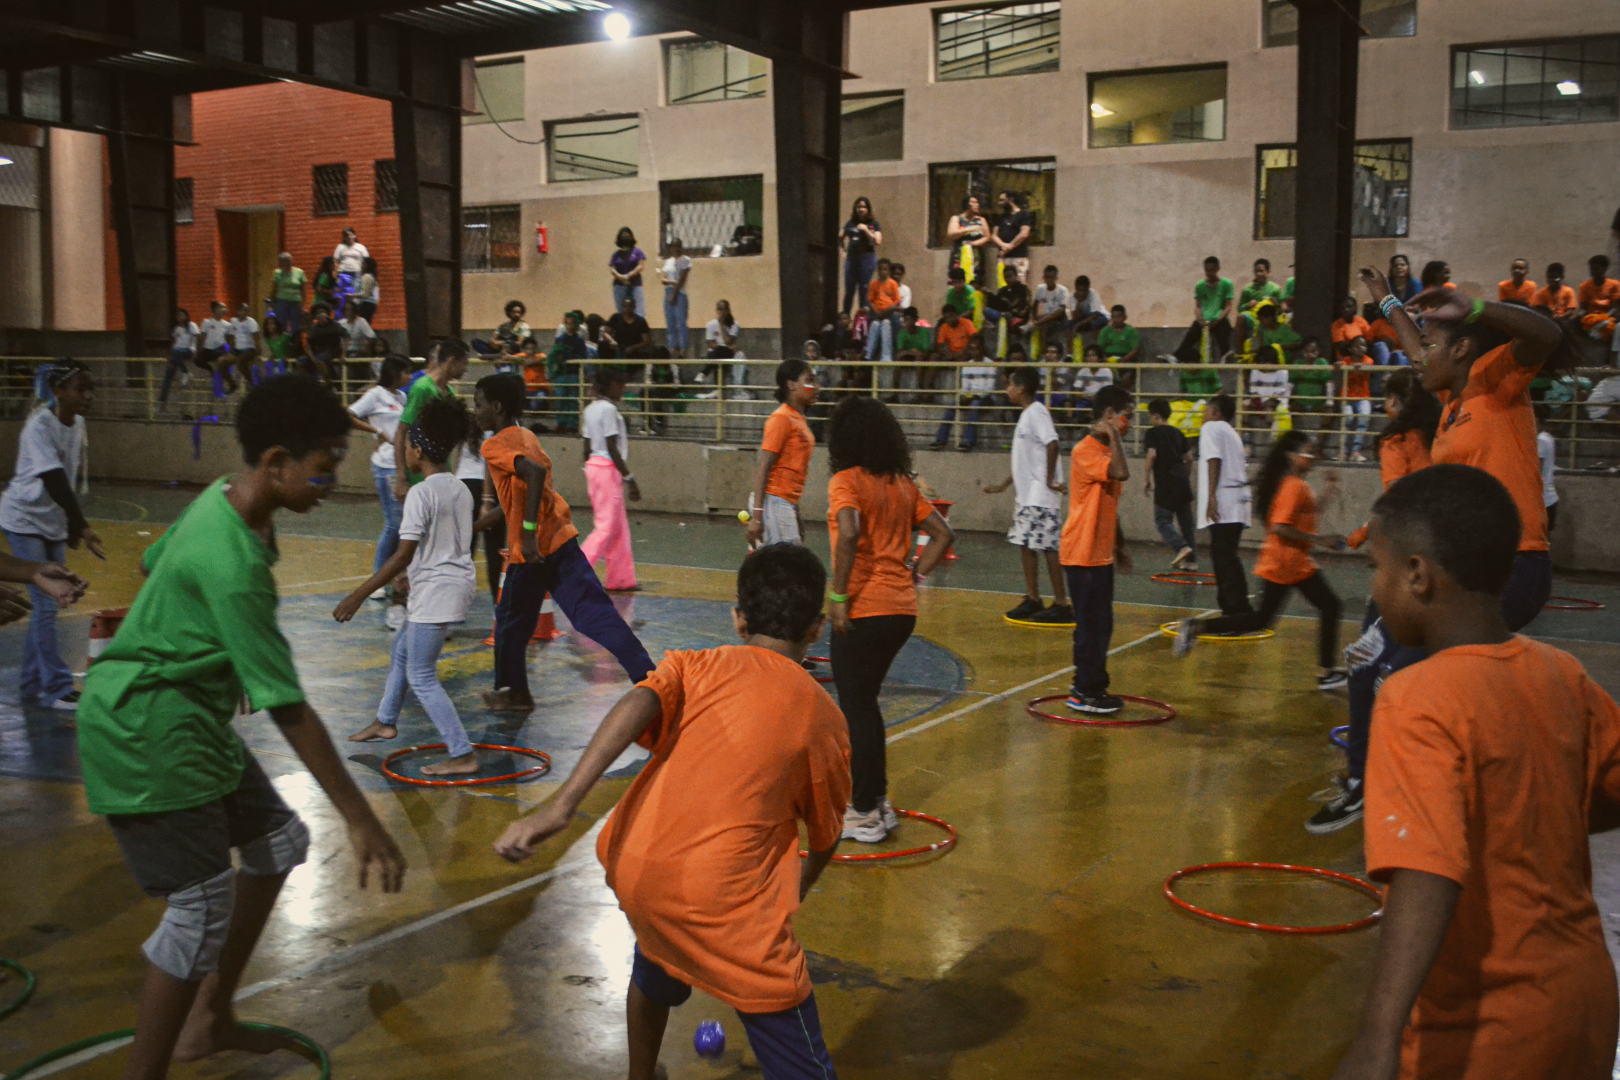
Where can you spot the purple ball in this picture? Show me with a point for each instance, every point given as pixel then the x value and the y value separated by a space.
pixel 710 1039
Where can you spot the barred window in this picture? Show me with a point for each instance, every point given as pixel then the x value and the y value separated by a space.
pixel 1007 39
pixel 720 217
pixel 698 70
pixel 1176 105
pixel 491 239
pixel 1380 18
pixel 873 127
pixel 1536 82
pixel 1382 190
pixel 183 214
pixel 949 185
pixel 598 149
pixel 331 190
pixel 385 186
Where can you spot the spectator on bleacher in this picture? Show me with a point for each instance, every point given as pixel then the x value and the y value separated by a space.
pixel 626 334
pixel 912 346
pixel 1349 325
pixel 626 264
pixel 1011 235
pixel 1355 398
pixel 182 349
pixel 513 332
pixel 1010 308
pixel 278 346
pixel 883 303
pixel 357 330
pixel 348 258
pixel 1555 299
pixel 324 341
pixel 962 296
pixel 1436 274
pixel 1599 297
pixel 1518 288
pixel 367 292
pixel 1255 293
pixel 325 286
pixel 244 339
pixel 897 271
pixel 1086 313
pixel 977 389
pixel 1268 390
pixel 969 236
pixel 676 269
pixel 1049 313
pixel 1093 374
pixel 214 350
pixel 1213 298
pixel 1311 379
pixel 1120 342
pixel 1383 343
pixel 859 238
pixel 1401 283
pixel 567 346
pixel 722 333
pixel 1274 341
pixel 287 293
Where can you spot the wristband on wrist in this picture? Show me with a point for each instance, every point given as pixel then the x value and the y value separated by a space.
pixel 530 526
pixel 1388 305
pixel 838 598
pixel 1475 311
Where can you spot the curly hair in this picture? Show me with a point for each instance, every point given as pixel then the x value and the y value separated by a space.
pixel 864 434
pixel 442 426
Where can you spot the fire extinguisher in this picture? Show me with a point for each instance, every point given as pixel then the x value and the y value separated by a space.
pixel 540 242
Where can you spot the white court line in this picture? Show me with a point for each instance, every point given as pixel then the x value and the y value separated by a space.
pixel 328 581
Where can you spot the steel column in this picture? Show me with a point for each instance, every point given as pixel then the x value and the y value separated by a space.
pixel 1329 53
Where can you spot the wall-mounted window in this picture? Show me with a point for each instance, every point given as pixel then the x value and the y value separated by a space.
pixel 1002 39
pixel 1536 82
pixel 697 70
pixel 497 91
pixel 183 212
pixel 491 239
pixel 873 127
pixel 1380 18
pixel 1176 105
pixel 385 186
pixel 1382 190
pixel 950 184
pixel 331 190
pixel 718 217
pixel 598 149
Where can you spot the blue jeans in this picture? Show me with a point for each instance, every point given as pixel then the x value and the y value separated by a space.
pixel 882 329
pixel 574 585
pixel 416 664
pixel 970 431
pixel 393 513
pixel 675 312
pixel 289 313
pixel 1091 591
pixel 1357 411
pixel 178 359
pixel 45 677
pixel 635 292
pixel 858 271
pixel 1166 520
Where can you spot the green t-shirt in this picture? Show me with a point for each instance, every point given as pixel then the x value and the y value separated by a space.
pixel 1117 343
pixel 1288 290
pixel 1285 335
pixel 962 300
pixel 1200 381
pixel 422 391
pixel 1252 294
pixel 1310 380
pixel 155 721
pixel 1212 298
pixel 289 285
pixel 918 337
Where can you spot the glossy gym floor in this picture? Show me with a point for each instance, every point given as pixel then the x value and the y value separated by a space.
pixel 1040 946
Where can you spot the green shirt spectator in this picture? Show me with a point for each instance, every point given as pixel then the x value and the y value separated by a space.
pixel 1201 381
pixel 1310 381
pixel 919 338
pixel 961 297
pixel 1212 297
pixel 1281 335
pixel 288 284
pixel 1118 343
pixel 1254 293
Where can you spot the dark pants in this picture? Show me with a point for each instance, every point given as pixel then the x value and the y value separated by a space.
pixel 1091 591
pixel 1164 517
pixel 494 540
pixel 971 403
pixel 573 584
pixel 1231 582
pixel 1220 342
pixel 1315 589
pixel 858 271
pixel 860 663
pixel 1527 592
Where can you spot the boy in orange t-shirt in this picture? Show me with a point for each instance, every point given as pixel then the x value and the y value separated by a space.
pixel 1599 299
pixel 1489 763
pixel 1517 289
pixel 703 850
pixel 542 554
pixel 1092 544
pixel 1355 397
pixel 1557 298
pixel 883 300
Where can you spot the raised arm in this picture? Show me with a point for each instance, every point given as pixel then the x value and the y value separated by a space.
pixel 1535 337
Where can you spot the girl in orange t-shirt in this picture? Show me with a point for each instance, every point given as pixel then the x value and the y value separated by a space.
pixel 1289 507
pixel 784 458
pixel 872 508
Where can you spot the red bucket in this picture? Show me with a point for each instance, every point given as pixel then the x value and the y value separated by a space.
pixel 103 625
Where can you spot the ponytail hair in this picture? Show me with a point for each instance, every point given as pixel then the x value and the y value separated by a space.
pixel 1277 467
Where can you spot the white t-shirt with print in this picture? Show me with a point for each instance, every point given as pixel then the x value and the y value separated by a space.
pixel 185 337
pixel 672 269
pixel 381 408
pixel 213 333
pixel 1047 301
pixel 603 421
pixel 45 444
pixel 978 380
pixel 244 334
pixel 349 257
pixel 470 465
pixel 438 515
pixel 1218 441
pixel 713 336
pixel 1089 380
pixel 1034 433
pixel 1269 384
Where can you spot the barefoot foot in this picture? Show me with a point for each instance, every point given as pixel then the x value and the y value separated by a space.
pixel 456 766
pixel 204 1036
pixel 376 731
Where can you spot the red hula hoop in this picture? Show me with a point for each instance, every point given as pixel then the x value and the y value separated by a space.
pixel 883 856
pixel 1572 603
pixel 1086 721
pixel 1183 577
pixel 821 660
pixel 1269 928
pixel 537 770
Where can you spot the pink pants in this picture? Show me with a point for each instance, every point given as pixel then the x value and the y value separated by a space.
pixel 610 536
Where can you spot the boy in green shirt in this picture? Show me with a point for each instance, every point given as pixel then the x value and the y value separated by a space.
pixel 1255 293
pixel 1309 375
pixel 1119 342
pixel 160 756
pixel 1274 341
pixel 447 367
pixel 1212 311
pixel 960 295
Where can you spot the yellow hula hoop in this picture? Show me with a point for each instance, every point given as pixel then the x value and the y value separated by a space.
pixel 1038 625
pixel 1169 630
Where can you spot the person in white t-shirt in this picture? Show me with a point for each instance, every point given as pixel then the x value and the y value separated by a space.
pixel 723 336
pixel 1037 482
pixel 361 335
pixel 213 347
pixel 1223 501
pixel 379 409
pixel 435 545
pixel 607 445
pixel 244 339
pixel 182 350
pixel 1547 454
pixel 897 271
pixel 471 471
pixel 674 272
pixel 1049 310
pixel 1268 392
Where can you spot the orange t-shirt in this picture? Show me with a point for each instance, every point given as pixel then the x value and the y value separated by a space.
pixel 1560 303
pixel 1482 766
pixel 890 508
pixel 1288 562
pixel 703 850
pixel 555 526
pixel 1088 531
pixel 955 338
pixel 1357 384
pixel 1493 427
pixel 1383 331
pixel 1349 330
pixel 1598 299
pixel 1524 294
pixel 882 294
pixel 788 436
pixel 1401 456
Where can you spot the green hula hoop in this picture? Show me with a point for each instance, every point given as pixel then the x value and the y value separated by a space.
pixel 29 982
pixel 129 1033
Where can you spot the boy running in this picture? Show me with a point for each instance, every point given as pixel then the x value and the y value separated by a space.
pixel 1092 545
pixel 703 850
pixel 1037 478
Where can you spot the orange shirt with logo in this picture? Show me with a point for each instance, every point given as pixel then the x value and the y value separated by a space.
pixel 703 850
pixel 1524 293
pixel 1401 456
pixel 1088 531
pixel 1492 426
pixel 955 338
pixel 1560 303
pixel 1350 329
pixel 788 436
pixel 1600 299
pixel 890 508
pixel 883 294
pixel 1288 562
pixel 554 525
pixel 1357 384
pixel 1483 762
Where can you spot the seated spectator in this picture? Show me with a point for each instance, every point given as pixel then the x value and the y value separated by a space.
pixel 1310 377
pixel 952 335
pixel 1349 326
pixel 1598 299
pixel 564 373
pixel 1273 340
pixel 660 391
pixel 1093 375
pixel 1604 396
pixel 898 272
pixel 593 335
pixel 1555 299
pixel 1436 272
pixel 324 344
pixel 367 291
pixel 1049 313
pixel 1009 310
pixel 883 307
pixel 1268 392
pixel 213 348
pixel 1261 290
pixel 978 388
pixel 278 348
pixel 626 334
pixel 513 332
pixel 723 336
pixel 1518 288
pixel 244 339
pixel 912 346
pixel 325 286
pixel 962 296
pixel 1355 398
pixel 358 332
pixel 1209 338
pixel 837 337
pixel 1086 312
pixel 1119 341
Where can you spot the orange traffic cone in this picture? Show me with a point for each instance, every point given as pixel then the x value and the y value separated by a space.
pixel 545 628
pixel 103 625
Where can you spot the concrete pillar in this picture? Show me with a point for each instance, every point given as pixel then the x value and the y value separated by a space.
pixel 78 263
pixel 1329 51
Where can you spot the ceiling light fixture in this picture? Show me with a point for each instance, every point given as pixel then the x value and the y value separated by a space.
pixel 1569 88
pixel 616 26
pixel 1100 111
pixel 1477 78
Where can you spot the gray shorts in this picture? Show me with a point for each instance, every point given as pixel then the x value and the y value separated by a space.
pixel 169 851
pixel 781 521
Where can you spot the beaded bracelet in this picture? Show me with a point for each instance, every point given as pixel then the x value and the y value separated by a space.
pixel 1388 305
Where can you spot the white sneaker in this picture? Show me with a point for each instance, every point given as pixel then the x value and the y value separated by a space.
pixel 867 828
pixel 185 377
pixel 68 702
pixel 891 820
pixel 380 594
pixel 395 617
pixel 1186 637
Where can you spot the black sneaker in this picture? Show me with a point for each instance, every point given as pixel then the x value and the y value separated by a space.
pixel 1096 704
pixel 1027 607
pixel 1056 615
pixel 1338 813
